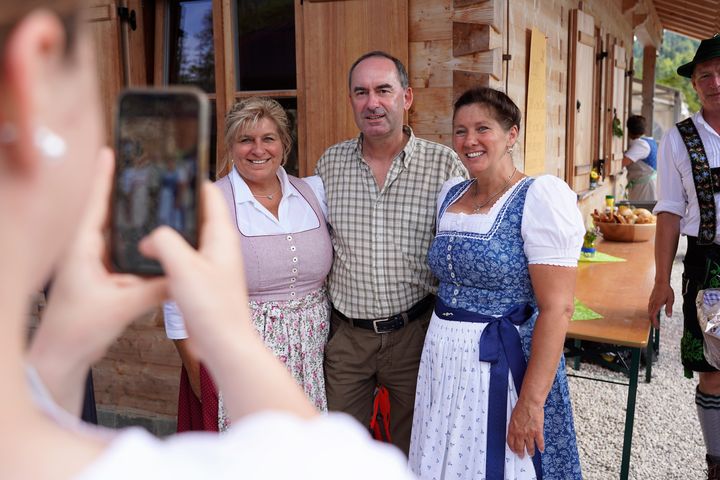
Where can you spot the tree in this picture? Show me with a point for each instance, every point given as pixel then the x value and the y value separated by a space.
pixel 676 50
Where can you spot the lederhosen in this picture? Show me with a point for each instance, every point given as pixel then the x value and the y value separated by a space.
pixel 702 260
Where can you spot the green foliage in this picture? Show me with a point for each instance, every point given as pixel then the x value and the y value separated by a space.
pixel 617 127
pixel 676 50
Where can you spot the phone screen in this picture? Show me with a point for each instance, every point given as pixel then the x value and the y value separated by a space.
pixel 161 158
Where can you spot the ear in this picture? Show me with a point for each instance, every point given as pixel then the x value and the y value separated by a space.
pixel 513 134
pixel 33 52
pixel 408 97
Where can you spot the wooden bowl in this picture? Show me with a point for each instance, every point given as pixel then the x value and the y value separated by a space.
pixel 618 232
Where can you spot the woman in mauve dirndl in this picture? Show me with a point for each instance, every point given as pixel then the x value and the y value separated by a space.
pixel 287 255
pixel 492 398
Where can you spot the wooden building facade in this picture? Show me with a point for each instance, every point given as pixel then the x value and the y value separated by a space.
pixel 566 63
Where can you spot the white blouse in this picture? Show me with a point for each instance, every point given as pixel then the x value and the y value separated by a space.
pixel 269 444
pixel 676 187
pixel 639 149
pixel 295 215
pixel 552 226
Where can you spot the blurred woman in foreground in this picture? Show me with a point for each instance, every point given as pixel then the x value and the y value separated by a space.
pixel 51 169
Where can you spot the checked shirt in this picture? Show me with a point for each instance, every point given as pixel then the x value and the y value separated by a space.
pixel 381 235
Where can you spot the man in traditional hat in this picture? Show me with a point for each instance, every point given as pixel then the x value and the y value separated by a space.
pixel 688 194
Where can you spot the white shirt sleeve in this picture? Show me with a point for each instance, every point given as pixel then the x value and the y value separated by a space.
pixel 552 225
pixel 444 191
pixel 316 185
pixel 671 195
pixel 263 445
pixel 639 149
pixel 174 323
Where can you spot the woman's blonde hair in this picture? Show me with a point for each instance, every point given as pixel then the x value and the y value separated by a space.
pixel 244 115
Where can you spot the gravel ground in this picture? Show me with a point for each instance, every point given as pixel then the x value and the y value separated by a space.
pixel 667 441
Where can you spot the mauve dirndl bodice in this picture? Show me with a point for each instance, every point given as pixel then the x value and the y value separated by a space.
pixel 288 266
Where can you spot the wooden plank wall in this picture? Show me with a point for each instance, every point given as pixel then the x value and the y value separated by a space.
pixel 452 47
pixel 455 44
pixel 140 373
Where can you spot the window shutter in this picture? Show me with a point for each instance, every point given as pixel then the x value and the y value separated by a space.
pixel 580 127
pixel 334 34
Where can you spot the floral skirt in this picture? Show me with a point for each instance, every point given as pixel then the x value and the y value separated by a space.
pixel 296 332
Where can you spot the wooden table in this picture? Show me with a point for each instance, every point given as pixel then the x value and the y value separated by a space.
pixel 619 292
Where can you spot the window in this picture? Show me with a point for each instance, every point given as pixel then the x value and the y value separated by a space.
pixel 265 48
pixel 262 62
pixel 191 56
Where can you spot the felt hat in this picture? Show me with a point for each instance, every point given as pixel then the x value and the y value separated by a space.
pixel 708 49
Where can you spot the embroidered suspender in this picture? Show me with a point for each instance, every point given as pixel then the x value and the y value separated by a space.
pixel 703 178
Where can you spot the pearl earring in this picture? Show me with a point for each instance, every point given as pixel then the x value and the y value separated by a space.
pixel 510 149
pixel 50 144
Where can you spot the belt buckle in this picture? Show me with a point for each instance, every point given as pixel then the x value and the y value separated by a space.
pixel 402 317
pixel 375 325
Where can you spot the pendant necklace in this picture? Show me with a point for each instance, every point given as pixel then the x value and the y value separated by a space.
pixel 269 196
pixel 479 206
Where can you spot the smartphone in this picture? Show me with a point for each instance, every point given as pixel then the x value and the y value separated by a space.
pixel 161 159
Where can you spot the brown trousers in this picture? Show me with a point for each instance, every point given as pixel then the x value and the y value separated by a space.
pixel 356 360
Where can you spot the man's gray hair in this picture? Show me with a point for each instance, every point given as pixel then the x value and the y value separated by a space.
pixel 401 70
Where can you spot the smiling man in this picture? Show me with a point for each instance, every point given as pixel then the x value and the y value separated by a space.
pixel 688 175
pixel 381 191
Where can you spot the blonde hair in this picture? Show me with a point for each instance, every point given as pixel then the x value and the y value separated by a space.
pixel 244 115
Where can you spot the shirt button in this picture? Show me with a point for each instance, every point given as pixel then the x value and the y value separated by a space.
pixel 448 256
pixel 294 270
pixel 292 279
pixel 454 300
pixel 451 239
pixel 293 248
pixel 452 274
pixel 292 294
pixel 292 286
pixel 294 259
pixel 449 248
pixel 456 291
pixel 450 266
pixel 289 237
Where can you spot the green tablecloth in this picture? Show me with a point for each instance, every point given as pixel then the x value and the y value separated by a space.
pixel 582 312
pixel 600 257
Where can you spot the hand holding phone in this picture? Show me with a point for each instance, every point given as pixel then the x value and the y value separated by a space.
pixel 161 141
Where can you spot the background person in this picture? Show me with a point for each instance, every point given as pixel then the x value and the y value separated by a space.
pixel 641 161
pixel 506 255
pixel 688 159
pixel 288 254
pixel 380 191
pixel 54 195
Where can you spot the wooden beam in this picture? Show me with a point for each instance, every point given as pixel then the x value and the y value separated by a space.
pixel 465 3
pixel 488 13
pixel 628 5
pixel 489 62
pixel 638 18
pixel 472 38
pixel 464 80
pixel 648 84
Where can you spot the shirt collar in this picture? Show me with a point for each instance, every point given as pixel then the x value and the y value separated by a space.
pixel 700 119
pixel 405 154
pixel 243 193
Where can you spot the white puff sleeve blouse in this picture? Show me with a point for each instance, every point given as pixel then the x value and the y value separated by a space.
pixel 552 226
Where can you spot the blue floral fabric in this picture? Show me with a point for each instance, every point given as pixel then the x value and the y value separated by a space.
pixel 488 273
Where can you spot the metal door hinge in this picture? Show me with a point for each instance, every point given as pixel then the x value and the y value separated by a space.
pixel 127 15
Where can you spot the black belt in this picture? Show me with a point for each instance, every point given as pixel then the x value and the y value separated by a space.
pixel 394 322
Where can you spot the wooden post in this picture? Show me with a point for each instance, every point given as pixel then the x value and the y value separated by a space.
pixel 648 85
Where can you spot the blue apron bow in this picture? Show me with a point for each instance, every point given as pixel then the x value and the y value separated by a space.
pixel 501 346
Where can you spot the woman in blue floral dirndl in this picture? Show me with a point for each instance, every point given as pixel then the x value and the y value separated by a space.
pixel 492 398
